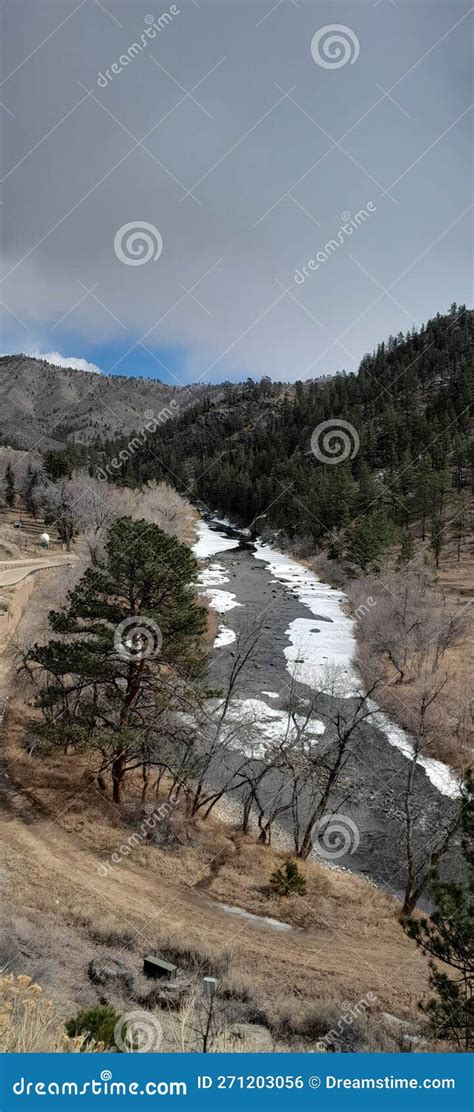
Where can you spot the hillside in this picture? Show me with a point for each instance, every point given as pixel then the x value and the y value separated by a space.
pixel 172 897
pixel 261 448
pixel 49 405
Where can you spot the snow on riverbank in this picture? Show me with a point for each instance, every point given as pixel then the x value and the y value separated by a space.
pixel 440 775
pixel 225 636
pixel 314 645
pixel 253 726
pixel 210 542
pixel 222 601
pixel 330 640
pixel 213 577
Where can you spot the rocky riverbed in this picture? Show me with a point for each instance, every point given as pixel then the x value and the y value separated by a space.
pixel 306 633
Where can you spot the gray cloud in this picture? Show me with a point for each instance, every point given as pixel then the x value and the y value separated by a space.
pixel 247 156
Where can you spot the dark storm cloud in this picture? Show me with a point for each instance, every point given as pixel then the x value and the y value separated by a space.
pixel 250 153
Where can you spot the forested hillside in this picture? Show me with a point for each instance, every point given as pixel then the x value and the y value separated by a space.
pixel 251 452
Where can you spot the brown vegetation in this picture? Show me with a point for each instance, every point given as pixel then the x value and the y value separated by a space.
pixel 414 628
pixel 346 940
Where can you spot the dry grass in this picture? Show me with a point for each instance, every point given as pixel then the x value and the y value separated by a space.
pixel 56 830
pixel 29 1024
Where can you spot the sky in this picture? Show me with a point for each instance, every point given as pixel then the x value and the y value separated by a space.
pixel 217 189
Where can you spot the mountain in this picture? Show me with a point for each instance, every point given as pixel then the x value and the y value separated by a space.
pixel 404 423
pixel 45 405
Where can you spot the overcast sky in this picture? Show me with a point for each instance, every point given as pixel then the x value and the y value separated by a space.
pixel 240 138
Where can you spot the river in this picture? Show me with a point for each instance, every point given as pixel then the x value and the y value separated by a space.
pixel 306 631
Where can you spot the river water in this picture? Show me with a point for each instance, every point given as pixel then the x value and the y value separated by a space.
pixel 305 633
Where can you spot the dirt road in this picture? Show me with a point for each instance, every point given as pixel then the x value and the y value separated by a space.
pixel 13 571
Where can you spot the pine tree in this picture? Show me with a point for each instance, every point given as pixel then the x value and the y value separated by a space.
pixel 460 521
pixel 423 491
pixel 288 881
pixel 437 536
pixel 448 938
pixel 407 547
pixel 10 493
pixel 128 648
pixel 97 1024
pixel 30 484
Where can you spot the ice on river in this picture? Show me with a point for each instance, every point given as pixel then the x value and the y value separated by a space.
pixel 210 542
pixel 329 640
pixel 438 773
pixel 317 644
pixel 253 726
pixel 212 576
pixel 225 636
pixel 221 600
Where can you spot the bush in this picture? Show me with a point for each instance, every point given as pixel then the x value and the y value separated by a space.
pixel 29 1023
pixel 95 1023
pixel 288 881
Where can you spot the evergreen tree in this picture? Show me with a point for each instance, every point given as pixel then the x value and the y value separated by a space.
pixel 10 493
pixel 448 938
pixel 59 464
pixel 129 646
pixel 460 521
pixel 28 493
pixel 437 536
pixel 288 881
pixel 424 491
pixel 97 1023
pixel 407 547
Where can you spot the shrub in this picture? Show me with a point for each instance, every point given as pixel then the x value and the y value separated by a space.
pixel 97 1023
pixel 288 880
pixel 29 1024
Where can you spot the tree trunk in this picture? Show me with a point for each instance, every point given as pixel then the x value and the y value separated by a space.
pixel 118 778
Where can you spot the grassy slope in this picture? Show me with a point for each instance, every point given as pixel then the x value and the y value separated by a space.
pixel 56 828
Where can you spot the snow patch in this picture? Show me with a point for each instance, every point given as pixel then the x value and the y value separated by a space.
pixel 329 640
pixel 260 919
pixel 213 576
pixel 210 542
pixel 260 726
pixel 225 636
pixel 442 777
pixel 221 600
